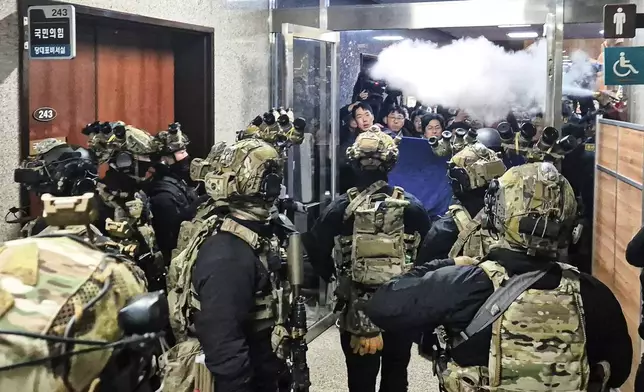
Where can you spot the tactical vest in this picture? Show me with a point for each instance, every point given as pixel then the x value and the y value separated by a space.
pixel 538 344
pixel 131 229
pixel 189 228
pixel 184 369
pixel 182 297
pixel 378 249
pixel 180 191
pixel 473 241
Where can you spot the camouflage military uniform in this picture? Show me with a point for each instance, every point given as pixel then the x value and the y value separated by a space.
pixel 459 232
pixel 60 286
pixel 129 152
pixel 374 231
pixel 516 321
pixel 171 192
pixel 243 180
pixel 472 168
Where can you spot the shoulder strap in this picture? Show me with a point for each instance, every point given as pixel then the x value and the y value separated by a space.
pixel 466 227
pixel 358 200
pixel 460 215
pixel 240 231
pixel 498 303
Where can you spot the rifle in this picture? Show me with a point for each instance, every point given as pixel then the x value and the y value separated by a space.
pixel 296 360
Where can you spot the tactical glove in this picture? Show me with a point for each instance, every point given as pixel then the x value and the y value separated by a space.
pixel 366 345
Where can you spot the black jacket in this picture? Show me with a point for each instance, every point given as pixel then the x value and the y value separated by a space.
pixel 579 169
pixel 320 240
pixel 442 293
pixel 635 257
pixel 171 202
pixel 226 276
pixel 439 240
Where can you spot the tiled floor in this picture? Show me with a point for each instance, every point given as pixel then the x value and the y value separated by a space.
pixel 329 374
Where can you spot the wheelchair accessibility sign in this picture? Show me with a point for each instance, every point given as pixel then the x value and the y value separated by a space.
pixel 624 66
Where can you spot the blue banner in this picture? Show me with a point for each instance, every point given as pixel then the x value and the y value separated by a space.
pixel 423 174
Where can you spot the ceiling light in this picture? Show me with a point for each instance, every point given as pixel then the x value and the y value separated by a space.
pixel 523 34
pixel 511 26
pixel 601 32
pixel 388 38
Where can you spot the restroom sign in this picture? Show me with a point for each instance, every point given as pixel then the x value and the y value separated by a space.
pixel 620 20
pixel 52 32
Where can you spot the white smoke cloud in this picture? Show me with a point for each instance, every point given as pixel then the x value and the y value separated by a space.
pixel 475 75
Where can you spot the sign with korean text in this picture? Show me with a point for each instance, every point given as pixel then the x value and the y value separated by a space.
pixel 52 32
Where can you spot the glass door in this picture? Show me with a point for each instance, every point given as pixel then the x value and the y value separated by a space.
pixel 304 77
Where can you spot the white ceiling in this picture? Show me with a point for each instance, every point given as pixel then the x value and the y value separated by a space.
pixel 571 31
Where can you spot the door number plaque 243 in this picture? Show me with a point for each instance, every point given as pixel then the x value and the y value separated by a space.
pixel 45 114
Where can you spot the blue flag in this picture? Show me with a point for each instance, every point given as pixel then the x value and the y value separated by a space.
pixel 423 174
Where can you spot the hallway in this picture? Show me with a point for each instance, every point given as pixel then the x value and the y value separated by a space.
pixel 328 371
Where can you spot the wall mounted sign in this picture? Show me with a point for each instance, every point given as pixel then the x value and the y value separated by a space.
pixel 45 114
pixel 624 65
pixel 52 32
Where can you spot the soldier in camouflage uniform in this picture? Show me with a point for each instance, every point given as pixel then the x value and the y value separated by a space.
pixel 123 207
pixel 226 293
pixel 65 306
pixel 458 232
pixel 59 169
pixel 171 191
pixel 517 320
pixel 376 230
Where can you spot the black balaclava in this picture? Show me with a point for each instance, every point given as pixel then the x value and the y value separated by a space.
pixel 473 201
pixel 117 181
pixel 364 178
pixel 181 169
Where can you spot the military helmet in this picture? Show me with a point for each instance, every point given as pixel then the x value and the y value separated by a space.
pixel 374 150
pixel 247 173
pixel 533 207
pixel 125 148
pixel 490 138
pixel 108 139
pixel 58 168
pixel 473 168
pixel 279 127
pixel 172 140
pixel 47 145
pixel 59 288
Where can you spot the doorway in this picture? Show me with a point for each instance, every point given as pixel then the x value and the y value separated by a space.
pixel 304 77
pixel 146 72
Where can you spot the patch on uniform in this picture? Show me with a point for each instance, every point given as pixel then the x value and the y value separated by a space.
pixel 590 147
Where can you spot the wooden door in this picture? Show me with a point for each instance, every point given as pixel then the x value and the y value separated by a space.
pixel 124 74
pixel 135 77
pixel 67 86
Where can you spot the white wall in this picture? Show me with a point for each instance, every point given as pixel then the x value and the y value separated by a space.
pixel 241 68
pixel 9 133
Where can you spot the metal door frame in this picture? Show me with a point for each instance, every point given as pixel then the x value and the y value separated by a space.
pixel 289 33
pixel 283 56
pixel 460 13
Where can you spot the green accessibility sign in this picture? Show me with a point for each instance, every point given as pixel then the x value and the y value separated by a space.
pixel 624 66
